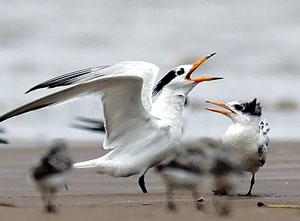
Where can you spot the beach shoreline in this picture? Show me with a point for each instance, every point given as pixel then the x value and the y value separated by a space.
pixel 92 195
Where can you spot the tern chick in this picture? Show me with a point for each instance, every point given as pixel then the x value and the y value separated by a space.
pixel 247 135
pixel 200 162
pixel 51 173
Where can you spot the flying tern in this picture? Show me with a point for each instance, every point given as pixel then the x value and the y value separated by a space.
pixel 140 131
pixel 51 173
pixel 247 135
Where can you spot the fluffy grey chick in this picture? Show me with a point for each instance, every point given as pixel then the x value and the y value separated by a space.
pixel 200 162
pixel 51 173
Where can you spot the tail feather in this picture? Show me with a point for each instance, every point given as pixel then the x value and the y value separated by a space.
pixel 86 164
pixel 111 167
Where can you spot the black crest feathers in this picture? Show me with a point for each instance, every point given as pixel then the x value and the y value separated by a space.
pixel 252 108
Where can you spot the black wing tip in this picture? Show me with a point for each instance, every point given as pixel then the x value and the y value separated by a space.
pixel 32 89
pixel 91 124
pixel 90 120
pixel 3 118
pixel 93 129
pixel 28 91
pixel 4 141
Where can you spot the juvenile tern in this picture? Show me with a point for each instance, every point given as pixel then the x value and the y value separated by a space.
pixel 139 132
pixel 51 173
pixel 247 135
pixel 205 161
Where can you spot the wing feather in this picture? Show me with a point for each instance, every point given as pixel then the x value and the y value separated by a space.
pixel 70 78
pixel 145 70
pixel 124 112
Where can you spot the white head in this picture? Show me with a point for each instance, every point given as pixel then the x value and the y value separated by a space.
pixel 239 112
pixel 180 78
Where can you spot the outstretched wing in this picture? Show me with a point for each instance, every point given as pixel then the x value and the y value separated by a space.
pixel 2 141
pixel 142 69
pixel 124 112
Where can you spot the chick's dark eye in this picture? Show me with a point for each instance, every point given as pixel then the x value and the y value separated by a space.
pixel 238 107
pixel 180 72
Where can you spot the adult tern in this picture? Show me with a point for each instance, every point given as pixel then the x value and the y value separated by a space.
pixel 247 135
pixel 139 132
pixel 51 173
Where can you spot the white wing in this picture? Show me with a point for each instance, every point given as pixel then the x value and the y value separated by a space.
pixel 142 69
pixel 124 112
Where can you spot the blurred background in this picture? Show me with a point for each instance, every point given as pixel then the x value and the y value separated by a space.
pixel 257 46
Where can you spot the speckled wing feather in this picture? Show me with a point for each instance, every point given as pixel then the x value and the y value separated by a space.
pixel 263 141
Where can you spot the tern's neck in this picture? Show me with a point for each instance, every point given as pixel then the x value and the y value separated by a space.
pixel 168 105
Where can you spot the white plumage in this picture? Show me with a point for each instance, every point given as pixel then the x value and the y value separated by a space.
pixel 141 133
pixel 247 135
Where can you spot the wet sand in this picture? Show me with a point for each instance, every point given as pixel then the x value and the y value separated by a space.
pixel 92 196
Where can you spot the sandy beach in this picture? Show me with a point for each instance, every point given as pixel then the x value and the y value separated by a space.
pixel 257 53
pixel 92 196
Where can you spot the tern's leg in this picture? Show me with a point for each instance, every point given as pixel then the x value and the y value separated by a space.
pixel 66 187
pixel 220 192
pixel 45 196
pixel 251 186
pixel 170 200
pixel 50 207
pixel 221 205
pixel 142 182
pixel 198 202
pixel 221 186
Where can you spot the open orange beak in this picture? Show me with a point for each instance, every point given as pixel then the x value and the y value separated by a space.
pixel 195 66
pixel 226 112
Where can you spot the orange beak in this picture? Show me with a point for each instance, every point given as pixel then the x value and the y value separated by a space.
pixel 226 112
pixel 195 66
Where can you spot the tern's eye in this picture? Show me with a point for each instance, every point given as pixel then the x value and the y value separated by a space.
pixel 238 107
pixel 180 72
